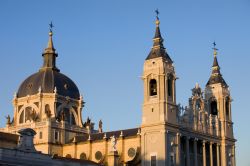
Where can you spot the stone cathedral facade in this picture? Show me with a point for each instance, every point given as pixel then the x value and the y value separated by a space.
pixel 200 134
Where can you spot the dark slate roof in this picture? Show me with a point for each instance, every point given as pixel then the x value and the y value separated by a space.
pixel 48 79
pixel 9 137
pixel 214 79
pixel 157 32
pixel 158 49
pixel 215 63
pixel 99 136
pixel 155 53
pixel 216 76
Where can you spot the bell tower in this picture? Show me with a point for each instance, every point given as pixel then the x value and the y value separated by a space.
pixel 159 105
pixel 217 95
pixel 159 84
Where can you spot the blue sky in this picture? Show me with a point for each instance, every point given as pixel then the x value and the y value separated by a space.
pixel 102 46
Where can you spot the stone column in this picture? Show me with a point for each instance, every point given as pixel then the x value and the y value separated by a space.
pixel 178 149
pixel 233 151
pixel 211 153
pixel 187 151
pixel 218 154
pixel 223 155
pixel 195 152
pixel 204 153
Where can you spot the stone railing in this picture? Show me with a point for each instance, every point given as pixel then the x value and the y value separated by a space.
pixel 201 122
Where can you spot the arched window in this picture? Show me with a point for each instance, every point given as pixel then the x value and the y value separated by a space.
pixel 153 87
pixel 21 118
pixel 227 108
pixel 83 156
pixel 213 107
pixel 68 116
pixel 28 111
pixel 170 86
pixel 27 115
pixel 72 120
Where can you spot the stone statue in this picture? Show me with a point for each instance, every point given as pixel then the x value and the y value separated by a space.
pixel 100 126
pixel 8 119
pixel 113 144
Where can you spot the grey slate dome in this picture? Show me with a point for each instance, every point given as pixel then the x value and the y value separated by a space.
pixel 47 80
pixel 49 77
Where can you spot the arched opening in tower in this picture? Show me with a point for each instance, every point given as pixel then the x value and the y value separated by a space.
pixel 213 107
pixel 153 87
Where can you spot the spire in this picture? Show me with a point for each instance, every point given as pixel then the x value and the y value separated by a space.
pixel 49 54
pixel 158 49
pixel 216 76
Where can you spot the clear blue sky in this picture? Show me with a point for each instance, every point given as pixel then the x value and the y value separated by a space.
pixel 102 46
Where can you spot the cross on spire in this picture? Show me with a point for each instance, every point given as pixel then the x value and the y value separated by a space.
pixel 51 26
pixel 157 14
pixel 215 49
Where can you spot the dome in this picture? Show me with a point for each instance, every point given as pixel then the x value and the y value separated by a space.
pixel 49 77
pixel 47 80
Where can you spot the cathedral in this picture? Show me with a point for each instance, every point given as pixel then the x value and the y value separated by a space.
pixel 200 134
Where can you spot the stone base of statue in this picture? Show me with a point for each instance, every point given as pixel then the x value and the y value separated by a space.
pixel 113 158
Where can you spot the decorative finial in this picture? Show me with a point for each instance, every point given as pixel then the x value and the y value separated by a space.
pixel 139 131
pixel 15 95
pixel 39 89
pixel 89 139
pixel 121 135
pixel 197 85
pixel 105 136
pixel 55 90
pixel 215 49
pixel 157 17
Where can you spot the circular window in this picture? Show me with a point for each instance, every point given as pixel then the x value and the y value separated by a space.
pixel 83 156
pixel 98 155
pixel 131 152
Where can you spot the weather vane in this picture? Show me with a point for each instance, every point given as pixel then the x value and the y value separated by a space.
pixel 157 13
pixel 51 26
pixel 215 49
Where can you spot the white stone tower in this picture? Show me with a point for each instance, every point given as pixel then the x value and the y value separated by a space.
pixel 218 99
pixel 159 105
